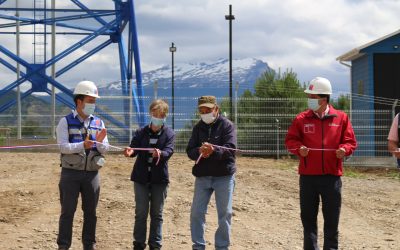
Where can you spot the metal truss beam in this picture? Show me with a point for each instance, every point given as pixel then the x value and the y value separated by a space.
pixel 134 43
pixel 87 10
pixel 50 62
pixel 129 53
pixel 50 10
pixel 83 58
pixel 29 21
pixel 13 102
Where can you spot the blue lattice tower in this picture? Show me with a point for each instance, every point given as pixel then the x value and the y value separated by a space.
pixel 122 17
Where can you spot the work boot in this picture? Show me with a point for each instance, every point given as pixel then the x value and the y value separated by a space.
pixel 138 246
pixel 90 247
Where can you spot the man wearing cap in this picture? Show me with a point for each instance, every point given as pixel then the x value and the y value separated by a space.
pixel 81 158
pixel 214 172
pixel 321 136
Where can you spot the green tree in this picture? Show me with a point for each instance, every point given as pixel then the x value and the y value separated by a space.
pixel 277 85
pixel 277 98
pixel 342 103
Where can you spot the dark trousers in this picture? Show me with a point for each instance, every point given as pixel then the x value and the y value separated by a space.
pixel 73 182
pixel 328 189
pixel 149 197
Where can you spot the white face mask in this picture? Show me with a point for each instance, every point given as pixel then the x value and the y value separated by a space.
pixel 89 108
pixel 208 118
pixel 313 104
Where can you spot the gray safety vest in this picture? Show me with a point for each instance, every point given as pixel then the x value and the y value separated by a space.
pixel 79 161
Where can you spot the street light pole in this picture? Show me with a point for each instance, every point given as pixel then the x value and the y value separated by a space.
pixel 230 17
pixel 172 49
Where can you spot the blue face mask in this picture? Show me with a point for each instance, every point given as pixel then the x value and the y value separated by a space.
pixel 158 122
pixel 89 109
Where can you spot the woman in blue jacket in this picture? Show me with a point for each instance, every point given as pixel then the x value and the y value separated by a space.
pixel 150 175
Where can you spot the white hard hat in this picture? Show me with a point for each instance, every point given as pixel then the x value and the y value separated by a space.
pixel 86 88
pixel 319 85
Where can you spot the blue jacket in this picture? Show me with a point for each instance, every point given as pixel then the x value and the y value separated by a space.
pixel 165 143
pixel 221 162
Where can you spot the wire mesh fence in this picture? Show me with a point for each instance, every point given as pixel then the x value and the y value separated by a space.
pixel 261 125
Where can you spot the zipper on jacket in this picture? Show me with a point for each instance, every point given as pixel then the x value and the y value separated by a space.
pixel 322 146
pixel 88 134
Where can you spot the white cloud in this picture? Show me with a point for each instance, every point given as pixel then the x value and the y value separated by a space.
pixel 296 34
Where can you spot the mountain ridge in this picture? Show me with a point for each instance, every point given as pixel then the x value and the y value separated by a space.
pixel 214 74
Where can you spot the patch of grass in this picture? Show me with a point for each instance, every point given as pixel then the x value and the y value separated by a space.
pixel 365 172
pixel 394 175
pixel 353 173
pixel 287 165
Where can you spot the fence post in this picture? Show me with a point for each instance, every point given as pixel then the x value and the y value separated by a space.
pixel 394 108
pixel 277 138
pixel 155 89
pixel 236 100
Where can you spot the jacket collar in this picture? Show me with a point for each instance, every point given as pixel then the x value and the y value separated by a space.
pixel 75 114
pixel 148 130
pixel 331 113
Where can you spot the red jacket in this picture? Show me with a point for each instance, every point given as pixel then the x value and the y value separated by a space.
pixel 334 131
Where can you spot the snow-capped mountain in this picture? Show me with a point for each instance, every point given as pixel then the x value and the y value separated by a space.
pixel 213 74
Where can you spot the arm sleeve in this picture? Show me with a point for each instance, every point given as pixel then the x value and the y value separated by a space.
pixel 168 150
pixel 393 133
pixel 135 142
pixel 63 139
pixel 104 146
pixel 192 149
pixel 293 139
pixel 348 141
pixel 229 141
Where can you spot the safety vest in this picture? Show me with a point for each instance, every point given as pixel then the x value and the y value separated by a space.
pixel 89 159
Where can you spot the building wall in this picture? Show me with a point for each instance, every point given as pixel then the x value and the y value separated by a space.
pixel 361 82
pixel 363 122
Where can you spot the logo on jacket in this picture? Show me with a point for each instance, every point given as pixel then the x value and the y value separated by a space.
pixel 333 124
pixel 309 128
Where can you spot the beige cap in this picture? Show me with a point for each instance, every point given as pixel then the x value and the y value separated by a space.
pixel 208 101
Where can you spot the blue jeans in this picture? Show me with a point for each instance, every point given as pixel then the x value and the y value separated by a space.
pixel 203 188
pixel 149 196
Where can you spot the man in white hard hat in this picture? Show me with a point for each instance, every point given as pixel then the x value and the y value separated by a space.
pixel 81 158
pixel 321 136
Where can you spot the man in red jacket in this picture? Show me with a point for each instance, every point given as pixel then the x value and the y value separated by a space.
pixel 321 136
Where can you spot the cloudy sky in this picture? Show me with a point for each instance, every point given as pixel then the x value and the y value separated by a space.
pixel 305 36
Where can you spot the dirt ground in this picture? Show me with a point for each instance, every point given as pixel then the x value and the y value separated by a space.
pixel 266 206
